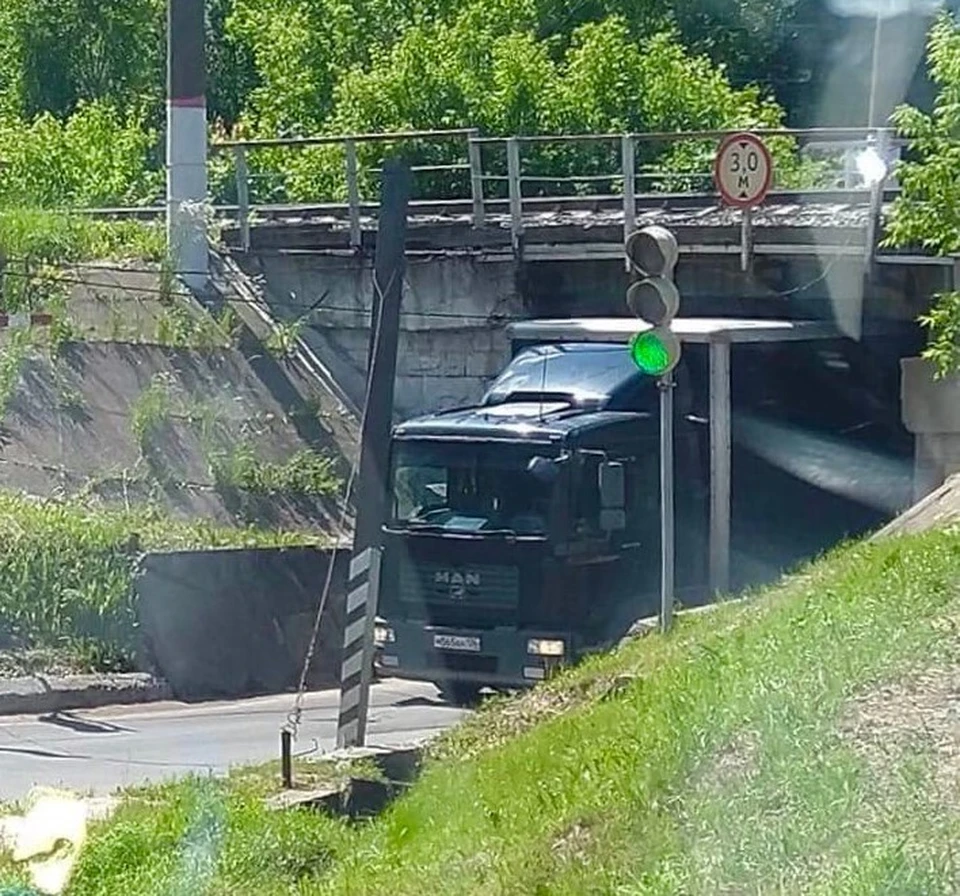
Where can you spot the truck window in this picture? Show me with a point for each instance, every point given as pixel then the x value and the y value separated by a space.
pixel 586 509
pixel 468 487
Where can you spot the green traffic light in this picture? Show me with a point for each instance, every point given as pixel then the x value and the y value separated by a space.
pixel 651 354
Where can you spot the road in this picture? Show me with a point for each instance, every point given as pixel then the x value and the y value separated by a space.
pixel 100 750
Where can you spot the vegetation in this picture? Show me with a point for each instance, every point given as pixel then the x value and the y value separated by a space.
pixel 795 739
pixel 927 212
pixel 67 570
pixel 81 85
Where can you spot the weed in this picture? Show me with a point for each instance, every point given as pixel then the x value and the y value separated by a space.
pixel 282 341
pixel 307 472
pixel 13 355
pixel 152 409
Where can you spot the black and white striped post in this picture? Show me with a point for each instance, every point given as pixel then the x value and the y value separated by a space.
pixel 357 668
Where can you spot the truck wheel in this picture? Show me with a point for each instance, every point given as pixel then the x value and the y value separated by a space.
pixel 459 693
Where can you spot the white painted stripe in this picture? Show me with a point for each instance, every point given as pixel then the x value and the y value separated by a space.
pixel 357 598
pixel 349 699
pixel 360 564
pixel 354 632
pixel 347 735
pixel 352 666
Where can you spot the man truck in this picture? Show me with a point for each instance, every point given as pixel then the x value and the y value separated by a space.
pixel 524 532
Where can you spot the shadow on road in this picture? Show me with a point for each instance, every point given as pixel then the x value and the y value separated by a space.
pixel 80 725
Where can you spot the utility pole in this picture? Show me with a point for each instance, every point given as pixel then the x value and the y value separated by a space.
pixel 389 270
pixel 187 141
pixel 363 587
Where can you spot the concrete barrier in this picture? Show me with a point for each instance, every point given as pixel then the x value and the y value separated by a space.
pixel 237 622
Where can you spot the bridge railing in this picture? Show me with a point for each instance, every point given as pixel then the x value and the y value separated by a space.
pixel 510 175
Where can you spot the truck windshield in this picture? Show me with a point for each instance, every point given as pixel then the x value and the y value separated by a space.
pixel 470 487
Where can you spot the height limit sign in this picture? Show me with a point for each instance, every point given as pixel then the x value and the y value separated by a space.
pixel 743 170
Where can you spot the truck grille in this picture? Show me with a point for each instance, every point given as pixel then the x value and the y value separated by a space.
pixel 458 590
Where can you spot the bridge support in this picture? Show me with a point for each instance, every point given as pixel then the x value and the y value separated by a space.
pixel 187 142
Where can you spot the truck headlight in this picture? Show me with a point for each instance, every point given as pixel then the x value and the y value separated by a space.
pixel 383 634
pixel 545 647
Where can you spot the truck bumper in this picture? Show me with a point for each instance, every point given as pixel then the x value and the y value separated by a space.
pixel 503 659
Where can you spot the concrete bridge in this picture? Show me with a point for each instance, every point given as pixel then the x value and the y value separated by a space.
pixel 515 244
pixel 502 240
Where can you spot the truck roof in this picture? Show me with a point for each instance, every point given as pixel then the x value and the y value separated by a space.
pixel 548 393
pixel 529 421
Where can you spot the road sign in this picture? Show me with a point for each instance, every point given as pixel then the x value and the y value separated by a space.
pixel 743 170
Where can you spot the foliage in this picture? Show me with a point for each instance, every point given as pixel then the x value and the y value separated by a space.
pixel 67 568
pixel 927 212
pixel 306 472
pixel 97 157
pixel 80 126
pixel 38 243
pixel 13 354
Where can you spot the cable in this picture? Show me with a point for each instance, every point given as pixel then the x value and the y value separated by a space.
pixel 137 291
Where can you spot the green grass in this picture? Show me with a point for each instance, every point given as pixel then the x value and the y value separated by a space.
pixel 45 237
pixel 719 759
pixel 67 571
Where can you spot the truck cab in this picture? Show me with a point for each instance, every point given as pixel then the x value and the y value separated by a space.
pixel 523 533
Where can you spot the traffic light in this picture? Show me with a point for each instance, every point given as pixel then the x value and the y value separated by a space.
pixel 653 297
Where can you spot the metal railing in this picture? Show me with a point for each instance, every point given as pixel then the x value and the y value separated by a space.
pixel 517 171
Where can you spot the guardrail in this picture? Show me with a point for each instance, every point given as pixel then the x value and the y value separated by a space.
pixel 519 166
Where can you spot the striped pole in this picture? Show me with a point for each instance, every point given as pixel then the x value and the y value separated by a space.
pixel 187 140
pixel 357 668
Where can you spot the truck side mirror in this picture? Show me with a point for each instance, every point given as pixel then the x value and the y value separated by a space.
pixel 611 482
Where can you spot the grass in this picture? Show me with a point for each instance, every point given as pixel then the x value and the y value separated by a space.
pixel 67 572
pixel 38 237
pixel 715 760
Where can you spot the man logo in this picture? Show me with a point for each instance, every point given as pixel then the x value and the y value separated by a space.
pixel 456 582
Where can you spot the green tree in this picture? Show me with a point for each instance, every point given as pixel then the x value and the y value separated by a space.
pixel 926 214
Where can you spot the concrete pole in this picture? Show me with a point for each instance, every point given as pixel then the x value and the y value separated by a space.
pixel 389 272
pixel 187 141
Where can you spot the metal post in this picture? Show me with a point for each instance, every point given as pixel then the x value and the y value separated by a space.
pixel 353 193
pixel 243 196
pixel 665 385
pixel 475 158
pixel 628 161
pixel 719 467
pixel 356 671
pixel 286 759
pixel 746 239
pixel 516 195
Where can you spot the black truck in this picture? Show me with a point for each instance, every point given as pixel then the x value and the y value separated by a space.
pixel 523 533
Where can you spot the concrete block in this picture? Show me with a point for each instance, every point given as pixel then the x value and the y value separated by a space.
pixel 928 405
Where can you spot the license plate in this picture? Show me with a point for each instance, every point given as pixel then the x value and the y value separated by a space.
pixel 456 642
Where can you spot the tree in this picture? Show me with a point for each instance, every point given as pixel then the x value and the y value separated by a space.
pixel 927 212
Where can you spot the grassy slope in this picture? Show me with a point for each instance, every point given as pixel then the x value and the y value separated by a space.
pixel 720 760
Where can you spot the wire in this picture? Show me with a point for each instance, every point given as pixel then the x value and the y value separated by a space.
pixel 136 292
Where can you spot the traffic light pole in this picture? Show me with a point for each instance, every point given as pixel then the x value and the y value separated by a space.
pixel 665 385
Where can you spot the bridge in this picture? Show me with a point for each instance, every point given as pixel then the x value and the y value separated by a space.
pixel 500 230
pixel 494 196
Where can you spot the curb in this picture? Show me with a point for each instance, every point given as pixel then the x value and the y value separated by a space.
pixel 38 694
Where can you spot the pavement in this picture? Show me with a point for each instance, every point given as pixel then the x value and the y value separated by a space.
pixel 99 750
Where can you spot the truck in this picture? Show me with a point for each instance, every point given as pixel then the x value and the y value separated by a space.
pixel 523 533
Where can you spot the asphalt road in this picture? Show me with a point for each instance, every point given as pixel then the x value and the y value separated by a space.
pixel 100 750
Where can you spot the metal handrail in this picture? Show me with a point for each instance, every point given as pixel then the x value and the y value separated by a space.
pixel 625 174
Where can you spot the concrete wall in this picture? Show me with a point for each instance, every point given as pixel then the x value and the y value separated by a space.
pixel 230 623
pixel 452 341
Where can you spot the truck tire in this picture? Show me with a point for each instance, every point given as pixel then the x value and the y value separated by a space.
pixel 459 693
